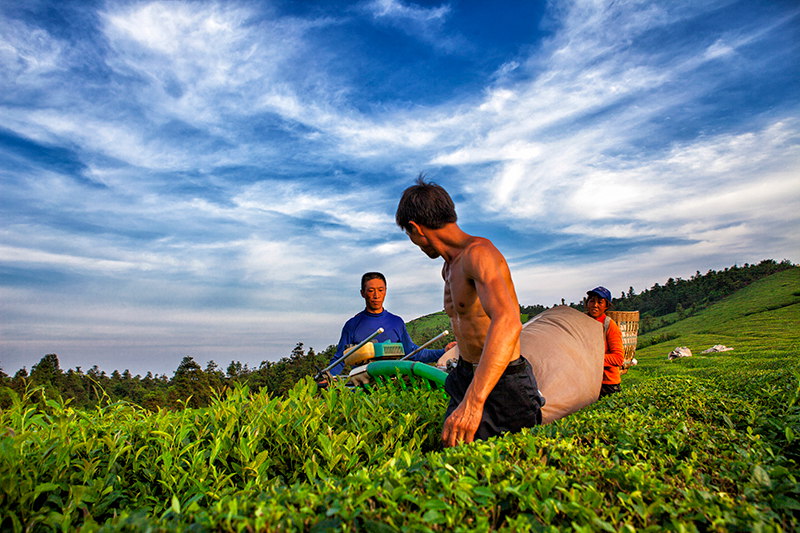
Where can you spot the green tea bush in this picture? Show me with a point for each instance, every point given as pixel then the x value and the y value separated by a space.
pixel 666 453
pixel 63 467
pixel 707 443
pixel 656 339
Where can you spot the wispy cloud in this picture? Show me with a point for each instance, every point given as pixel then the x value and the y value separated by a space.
pixel 166 167
pixel 407 12
pixel 423 23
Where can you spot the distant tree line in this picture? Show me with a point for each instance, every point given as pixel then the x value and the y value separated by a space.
pixel 529 311
pixel 190 385
pixel 194 386
pixel 684 297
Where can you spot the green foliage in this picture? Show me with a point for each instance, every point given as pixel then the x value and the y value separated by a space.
pixel 685 297
pixel 530 311
pixel 63 468
pixel 757 316
pixel 426 327
pixel 655 339
pixel 703 443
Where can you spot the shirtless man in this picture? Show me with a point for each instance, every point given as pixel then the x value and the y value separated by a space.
pixel 492 389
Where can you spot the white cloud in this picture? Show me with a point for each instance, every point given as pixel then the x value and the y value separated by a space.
pixel 697 179
pixel 200 47
pixel 354 209
pixel 27 256
pixel 406 12
pixel 110 138
pixel 211 66
pixel 175 28
pixel 606 193
pixel 27 53
pixel 718 49
pixel 426 24
pixel 392 249
pixel 556 154
pixel 215 65
pixel 770 197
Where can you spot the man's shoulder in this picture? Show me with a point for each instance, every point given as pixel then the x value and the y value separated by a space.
pixel 354 319
pixel 391 317
pixel 480 246
pixel 480 254
pixel 609 324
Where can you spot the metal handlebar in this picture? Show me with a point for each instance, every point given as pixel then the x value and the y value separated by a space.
pixel 351 350
pixel 436 338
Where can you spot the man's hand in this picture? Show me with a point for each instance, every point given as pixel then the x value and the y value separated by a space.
pixel 323 379
pixel 450 346
pixel 462 424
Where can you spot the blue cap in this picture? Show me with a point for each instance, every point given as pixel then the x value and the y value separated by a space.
pixel 602 292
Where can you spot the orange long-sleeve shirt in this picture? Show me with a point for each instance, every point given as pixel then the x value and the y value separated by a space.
pixel 615 353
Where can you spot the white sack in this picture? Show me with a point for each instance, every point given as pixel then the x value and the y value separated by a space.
pixel 717 348
pixel 566 349
pixel 680 351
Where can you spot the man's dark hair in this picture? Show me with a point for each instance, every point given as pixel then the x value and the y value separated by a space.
pixel 372 275
pixel 427 204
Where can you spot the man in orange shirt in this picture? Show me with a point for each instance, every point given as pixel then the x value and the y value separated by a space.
pixel 598 300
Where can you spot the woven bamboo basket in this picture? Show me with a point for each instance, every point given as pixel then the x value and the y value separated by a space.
pixel 628 322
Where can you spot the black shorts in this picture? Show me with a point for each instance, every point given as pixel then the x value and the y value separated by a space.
pixel 605 390
pixel 513 404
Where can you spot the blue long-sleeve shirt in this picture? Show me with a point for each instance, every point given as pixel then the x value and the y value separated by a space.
pixel 365 323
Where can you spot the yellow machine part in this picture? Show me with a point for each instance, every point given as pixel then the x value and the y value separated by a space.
pixel 378 350
pixel 364 353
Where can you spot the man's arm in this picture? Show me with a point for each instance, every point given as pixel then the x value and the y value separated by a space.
pixel 615 356
pixel 344 340
pixel 487 268
pixel 427 355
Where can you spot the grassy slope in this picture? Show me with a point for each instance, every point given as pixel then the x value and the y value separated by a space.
pixel 426 327
pixel 761 322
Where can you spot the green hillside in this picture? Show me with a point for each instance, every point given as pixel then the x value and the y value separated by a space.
pixel 760 322
pixel 426 327
pixel 707 443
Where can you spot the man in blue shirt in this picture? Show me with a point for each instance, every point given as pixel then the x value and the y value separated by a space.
pixel 374 316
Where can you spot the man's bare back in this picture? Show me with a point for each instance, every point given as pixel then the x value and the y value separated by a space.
pixel 462 303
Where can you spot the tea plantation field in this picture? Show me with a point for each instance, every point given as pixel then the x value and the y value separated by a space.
pixel 707 443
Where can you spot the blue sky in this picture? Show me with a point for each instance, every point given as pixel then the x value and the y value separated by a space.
pixel 211 178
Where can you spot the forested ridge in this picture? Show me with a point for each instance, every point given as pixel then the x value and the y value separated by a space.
pixel 685 297
pixel 192 385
